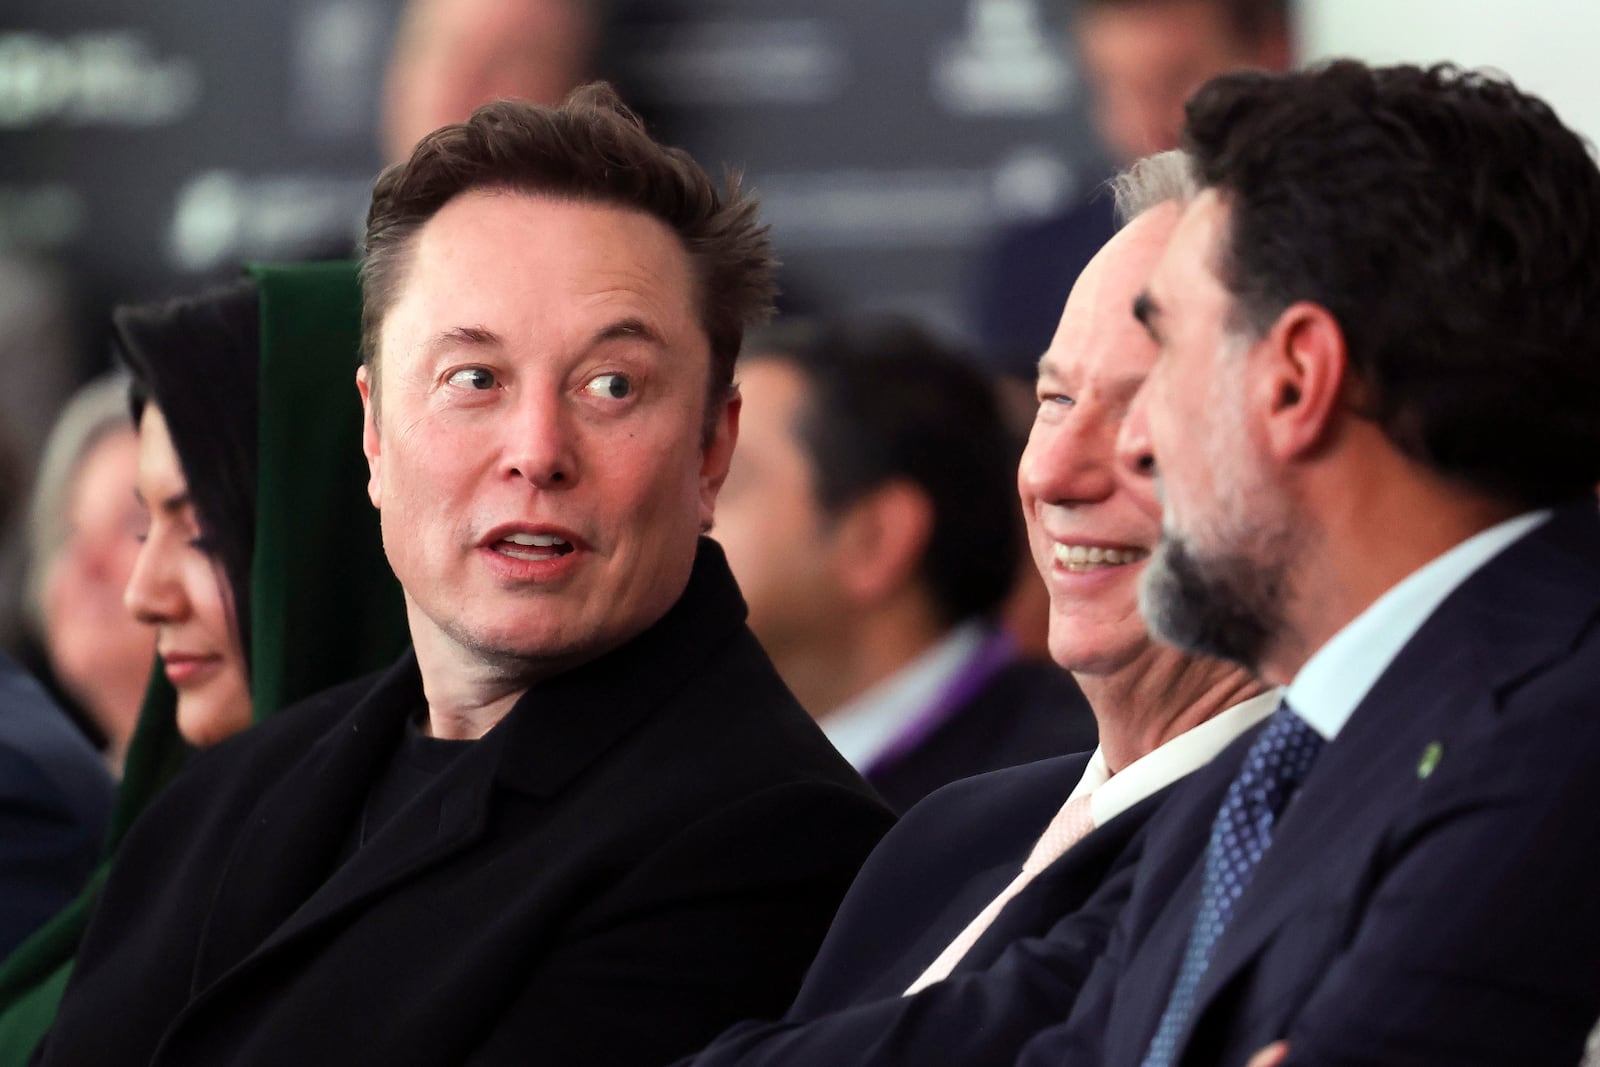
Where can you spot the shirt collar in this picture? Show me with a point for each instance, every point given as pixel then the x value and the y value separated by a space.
pixel 866 725
pixel 1112 794
pixel 1338 676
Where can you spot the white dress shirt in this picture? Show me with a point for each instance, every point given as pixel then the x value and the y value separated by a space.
pixel 1339 675
pixel 864 727
pixel 1112 794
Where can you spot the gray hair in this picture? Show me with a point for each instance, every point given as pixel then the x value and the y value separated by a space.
pixel 1152 181
pixel 95 412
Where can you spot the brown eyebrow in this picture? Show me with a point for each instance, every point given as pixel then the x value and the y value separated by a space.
pixel 463 336
pixel 482 337
pixel 174 503
pixel 1123 390
pixel 631 327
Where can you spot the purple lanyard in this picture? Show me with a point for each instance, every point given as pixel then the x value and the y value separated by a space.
pixel 997 651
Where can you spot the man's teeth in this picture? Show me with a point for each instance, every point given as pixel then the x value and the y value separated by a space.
pixel 542 540
pixel 1084 558
pixel 551 545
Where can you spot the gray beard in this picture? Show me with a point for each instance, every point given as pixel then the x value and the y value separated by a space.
pixel 1228 606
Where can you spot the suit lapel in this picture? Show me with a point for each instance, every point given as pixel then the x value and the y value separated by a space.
pixel 1061 888
pixel 1518 613
pixel 297 829
pixel 281 885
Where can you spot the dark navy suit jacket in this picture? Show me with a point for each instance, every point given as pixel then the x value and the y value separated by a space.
pixel 1023 278
pixel 55 799
pixel 1432 895
pixel 946 859
pixel 1025 711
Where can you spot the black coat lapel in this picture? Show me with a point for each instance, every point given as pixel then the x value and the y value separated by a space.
pixel 281 884
pixel 1062 888
pixel 296 831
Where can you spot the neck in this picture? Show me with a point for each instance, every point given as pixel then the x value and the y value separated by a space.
pixel 462 722
pixel 1396 521
pixel 1160 694
pixel 828 674
pixel 467 692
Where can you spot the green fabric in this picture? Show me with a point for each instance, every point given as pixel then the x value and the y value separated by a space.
pixel 325 607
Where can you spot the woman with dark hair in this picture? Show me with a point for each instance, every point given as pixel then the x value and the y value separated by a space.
pixel 253 387
pixel 194 400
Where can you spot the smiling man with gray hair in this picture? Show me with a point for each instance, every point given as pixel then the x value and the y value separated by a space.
pixel 972 925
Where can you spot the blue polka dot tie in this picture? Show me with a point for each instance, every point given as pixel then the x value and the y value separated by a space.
pixel 1275 765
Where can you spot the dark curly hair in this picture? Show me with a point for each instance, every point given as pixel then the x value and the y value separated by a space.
pixel 1451 224
pixel 593 149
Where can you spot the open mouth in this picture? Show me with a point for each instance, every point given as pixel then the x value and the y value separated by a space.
pixel 533 546
pixel 1081 558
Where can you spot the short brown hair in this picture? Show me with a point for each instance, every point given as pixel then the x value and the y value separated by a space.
pixel 590 148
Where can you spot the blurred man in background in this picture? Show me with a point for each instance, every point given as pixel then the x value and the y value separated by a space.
pixel 84 529
pixel 452 55
pixel 1140 59
pixel 55 801
pixel 870 521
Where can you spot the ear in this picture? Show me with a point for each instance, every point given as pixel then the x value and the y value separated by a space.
pixel 880 539
pixel 370 442
pixel 1307 367
pixel 716 456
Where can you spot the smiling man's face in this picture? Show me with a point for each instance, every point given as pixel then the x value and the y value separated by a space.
pixel 537 453
pixel 1091 524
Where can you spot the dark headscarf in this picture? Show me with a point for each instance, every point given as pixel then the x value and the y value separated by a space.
pixel 196 359
pixel 320 605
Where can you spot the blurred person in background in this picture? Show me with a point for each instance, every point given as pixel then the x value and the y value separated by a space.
pixel 452 55
pixel 55 800
pixel 194 399
pixel 39 354
pixel 84 530
pixel 1140 60
pixel 870 521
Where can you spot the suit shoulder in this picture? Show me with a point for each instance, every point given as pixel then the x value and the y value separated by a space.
pixel 35 732
pixel 237 761
pixel 740 718
pixel 1018 800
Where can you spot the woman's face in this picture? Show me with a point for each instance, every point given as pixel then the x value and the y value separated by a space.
pixel 178 587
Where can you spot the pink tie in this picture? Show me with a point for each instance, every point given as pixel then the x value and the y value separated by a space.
pixel 1071 823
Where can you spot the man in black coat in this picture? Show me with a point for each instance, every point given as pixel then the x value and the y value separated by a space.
pixel 582 820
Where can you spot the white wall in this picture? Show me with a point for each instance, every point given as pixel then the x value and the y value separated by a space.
pixel 1548 47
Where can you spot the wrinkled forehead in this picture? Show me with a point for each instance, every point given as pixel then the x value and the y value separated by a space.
pixel 520 264
pixel 1193 253
pixel 1099 335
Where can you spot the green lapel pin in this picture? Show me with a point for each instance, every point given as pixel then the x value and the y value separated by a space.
pixel 1430 759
